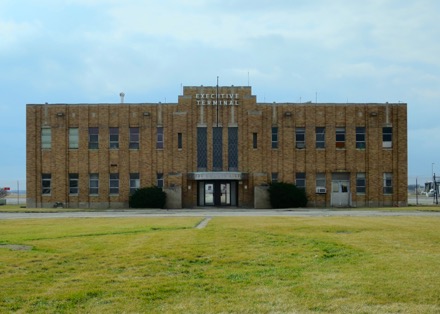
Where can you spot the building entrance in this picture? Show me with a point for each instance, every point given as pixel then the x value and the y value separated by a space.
pixel 217 193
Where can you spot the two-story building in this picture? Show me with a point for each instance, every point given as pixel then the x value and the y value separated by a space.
pixel 217 146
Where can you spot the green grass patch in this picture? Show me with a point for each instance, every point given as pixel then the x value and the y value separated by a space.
pixel 234 265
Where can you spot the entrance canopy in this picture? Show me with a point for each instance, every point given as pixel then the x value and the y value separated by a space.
pixel 217 175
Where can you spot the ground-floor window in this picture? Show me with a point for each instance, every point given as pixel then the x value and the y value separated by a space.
pixel 387 183
pixel 46 180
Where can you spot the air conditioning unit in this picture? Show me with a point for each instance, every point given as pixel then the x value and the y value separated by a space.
pixel 387 144
pixel 321 190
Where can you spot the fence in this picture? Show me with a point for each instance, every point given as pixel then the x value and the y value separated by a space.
pixel 16 189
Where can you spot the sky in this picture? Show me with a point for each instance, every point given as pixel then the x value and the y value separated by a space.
pixel 88 51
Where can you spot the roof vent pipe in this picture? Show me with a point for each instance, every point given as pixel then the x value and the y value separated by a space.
pixel 122 97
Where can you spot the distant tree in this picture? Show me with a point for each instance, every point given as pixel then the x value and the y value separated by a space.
pixel 3 193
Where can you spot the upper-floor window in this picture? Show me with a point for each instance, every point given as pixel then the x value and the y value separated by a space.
pixel 134 138
pixel 114 138
pixel 46 138
pixel 114 183
pixel 93 184
pixel 340 137
pixel 274 137
pixel 135 182
pixel 46 182
pixel 320 180
pixel 300 180
pixel 387 183
pixel 73 183
pixel 320 137
pixel 254 140
pixel 73 138
pixel 360 137
pixel 387 137
pixel 159 142
pixel 300 137
pixel 93 138
pixel 179 141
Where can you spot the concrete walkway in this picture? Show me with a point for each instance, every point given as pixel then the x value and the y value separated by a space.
pixel 218 212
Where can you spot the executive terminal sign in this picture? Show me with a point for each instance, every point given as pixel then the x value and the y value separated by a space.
pixel 221 175
pixel 214 99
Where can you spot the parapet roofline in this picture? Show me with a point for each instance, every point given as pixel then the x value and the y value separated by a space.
pixel 257 103
pixel 104 104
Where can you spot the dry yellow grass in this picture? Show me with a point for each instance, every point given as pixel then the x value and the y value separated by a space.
pixel 234 265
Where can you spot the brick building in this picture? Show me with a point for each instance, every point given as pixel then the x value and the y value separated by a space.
pixel 216 147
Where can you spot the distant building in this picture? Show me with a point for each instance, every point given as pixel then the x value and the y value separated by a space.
pixel 216 147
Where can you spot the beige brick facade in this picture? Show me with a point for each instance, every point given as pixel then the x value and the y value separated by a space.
pixel 184 178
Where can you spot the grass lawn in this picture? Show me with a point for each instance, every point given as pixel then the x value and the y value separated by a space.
pixel 234 265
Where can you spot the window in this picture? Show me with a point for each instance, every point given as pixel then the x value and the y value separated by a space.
pixel 300 137
pixel 134 138
pixel 134 182
pixel 93 138
pixel 46 138
pixel 254 140
pixel 114 138
pixel 114 183
pixel 73 184
pixel 320 180
pixel 274 137
pixel 179 141
pixel 320 137
pixel 233 149
pixel 340 137
pixel 73 138
pixel 360 183
pixel 387 137
pixel 159 180
pixel 217 149
pixel 387 183
pixel 159 142
pixel 46 180
pixel 202 149
pixel 300 180
pixel 274 177
pixel 93 184
pixel 360 137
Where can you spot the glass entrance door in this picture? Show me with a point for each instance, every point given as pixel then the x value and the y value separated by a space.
pixel 217 193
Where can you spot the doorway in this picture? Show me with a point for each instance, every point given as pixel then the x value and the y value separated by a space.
pixel 340 194
pixel 217 193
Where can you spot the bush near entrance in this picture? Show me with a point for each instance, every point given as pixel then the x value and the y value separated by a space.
pixel 287 195
pixel 148 197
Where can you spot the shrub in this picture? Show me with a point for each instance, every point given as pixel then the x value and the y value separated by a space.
pixel 148 197
pixel 287 195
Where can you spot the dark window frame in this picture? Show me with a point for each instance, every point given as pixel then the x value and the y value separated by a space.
pixel 300 138
pixel 361 137
pixel 134 138
pixel 274 137
pixel 114 138
pixel 320 137
pixel 73 183
pixel 93 138
pixel 340 133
